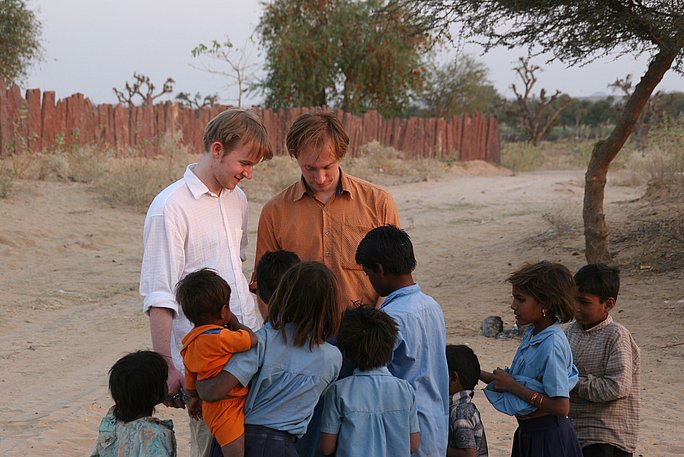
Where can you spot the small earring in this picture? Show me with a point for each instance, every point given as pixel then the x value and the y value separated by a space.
pixel 543 312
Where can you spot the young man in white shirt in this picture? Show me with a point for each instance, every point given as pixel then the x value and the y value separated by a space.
pixel 201 221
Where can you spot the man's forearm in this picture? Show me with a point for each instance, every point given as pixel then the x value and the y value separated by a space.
pixel 161 320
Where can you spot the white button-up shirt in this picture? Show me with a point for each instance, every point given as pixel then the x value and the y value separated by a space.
pixel 187 227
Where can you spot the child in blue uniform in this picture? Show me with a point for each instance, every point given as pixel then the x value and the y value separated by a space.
pixel 536 388
pixel 270 270
pixel 386 255
pixel 370 413
pixel 291 365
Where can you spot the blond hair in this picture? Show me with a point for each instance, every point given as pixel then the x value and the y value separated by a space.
pixel 236 127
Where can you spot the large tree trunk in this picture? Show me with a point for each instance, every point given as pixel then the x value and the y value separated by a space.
pixel 595 228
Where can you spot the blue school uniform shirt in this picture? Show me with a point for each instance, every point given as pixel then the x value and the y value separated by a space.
pixel 420 359
pixel 372 413
pixel 286 380
pixel 543 362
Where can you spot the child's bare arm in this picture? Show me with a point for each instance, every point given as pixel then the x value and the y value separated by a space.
pixel 194 404
pixel 415 442
pixel 215 389
pixel 486 376
pixel 327 444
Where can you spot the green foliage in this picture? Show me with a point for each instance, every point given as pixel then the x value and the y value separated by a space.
pixel 457 87
pixel 19 40
pixel 353 54
pixel 572 32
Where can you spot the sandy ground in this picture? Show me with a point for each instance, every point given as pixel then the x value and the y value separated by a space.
pixel 69 305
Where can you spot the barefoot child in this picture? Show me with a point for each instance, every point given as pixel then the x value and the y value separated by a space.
pixel 604 405
pixel 537 386
pixel 291 365
pixel 466 433
pixel 370 413
pixel 204 297
pixel 137 383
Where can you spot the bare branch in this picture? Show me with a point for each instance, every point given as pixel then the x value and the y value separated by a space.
pixel 142 87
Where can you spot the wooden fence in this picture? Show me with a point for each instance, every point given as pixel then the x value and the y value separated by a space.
pixel 39 122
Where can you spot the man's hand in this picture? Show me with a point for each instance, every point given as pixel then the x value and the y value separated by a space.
pixel 173 383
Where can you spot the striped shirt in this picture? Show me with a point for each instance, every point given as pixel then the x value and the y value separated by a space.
pixel 604 406
pixel 465 426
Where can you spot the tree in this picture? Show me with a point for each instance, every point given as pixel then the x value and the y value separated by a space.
pixel 196 101
pixel 457 87
pixel 576 32
pixel 239 67
pixel 353 54
pixel 537 114
pixel 143 87
pixel 650 115
pixel 19 40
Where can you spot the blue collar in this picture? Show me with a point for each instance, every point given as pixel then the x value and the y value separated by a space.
pixel 404 291
pixel 382 371
pixel 533 340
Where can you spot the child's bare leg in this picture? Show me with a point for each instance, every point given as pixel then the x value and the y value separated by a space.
pixel 235 448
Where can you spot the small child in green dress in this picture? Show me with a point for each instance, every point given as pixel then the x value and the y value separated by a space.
pixel 137 383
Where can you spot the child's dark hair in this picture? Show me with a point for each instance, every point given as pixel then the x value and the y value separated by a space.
pixel 599 279
pixel 307 298
pixel 270 268
pixel 388 246
pixel 367 337
pixel 551 284
pixel 137 383
pixel 202 294
pixel 463 361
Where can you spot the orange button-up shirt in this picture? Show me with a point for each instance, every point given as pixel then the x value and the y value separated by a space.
pixel 296 221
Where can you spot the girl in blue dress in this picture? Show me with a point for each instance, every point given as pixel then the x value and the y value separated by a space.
pixel 536 388
pixel 291 365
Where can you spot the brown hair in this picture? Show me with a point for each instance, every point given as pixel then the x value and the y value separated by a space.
pixel 315 129
pixel 367 337
pixel 202 294
pixel 236 127
pixel 551 284
pixel 307 298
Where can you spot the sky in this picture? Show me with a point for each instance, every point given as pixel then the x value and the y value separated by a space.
pixel 91 46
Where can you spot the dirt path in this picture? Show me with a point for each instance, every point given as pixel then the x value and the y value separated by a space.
pixel 70 307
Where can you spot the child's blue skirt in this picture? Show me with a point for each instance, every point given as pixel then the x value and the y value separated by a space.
pixel 546 436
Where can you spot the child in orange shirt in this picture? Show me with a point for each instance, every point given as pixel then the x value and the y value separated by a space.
pixel 217 335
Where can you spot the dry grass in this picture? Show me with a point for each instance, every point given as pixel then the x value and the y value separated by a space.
pixel 652 235
pixel 559 155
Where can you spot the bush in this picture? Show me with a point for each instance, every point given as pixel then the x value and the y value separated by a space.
pixel 559 155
